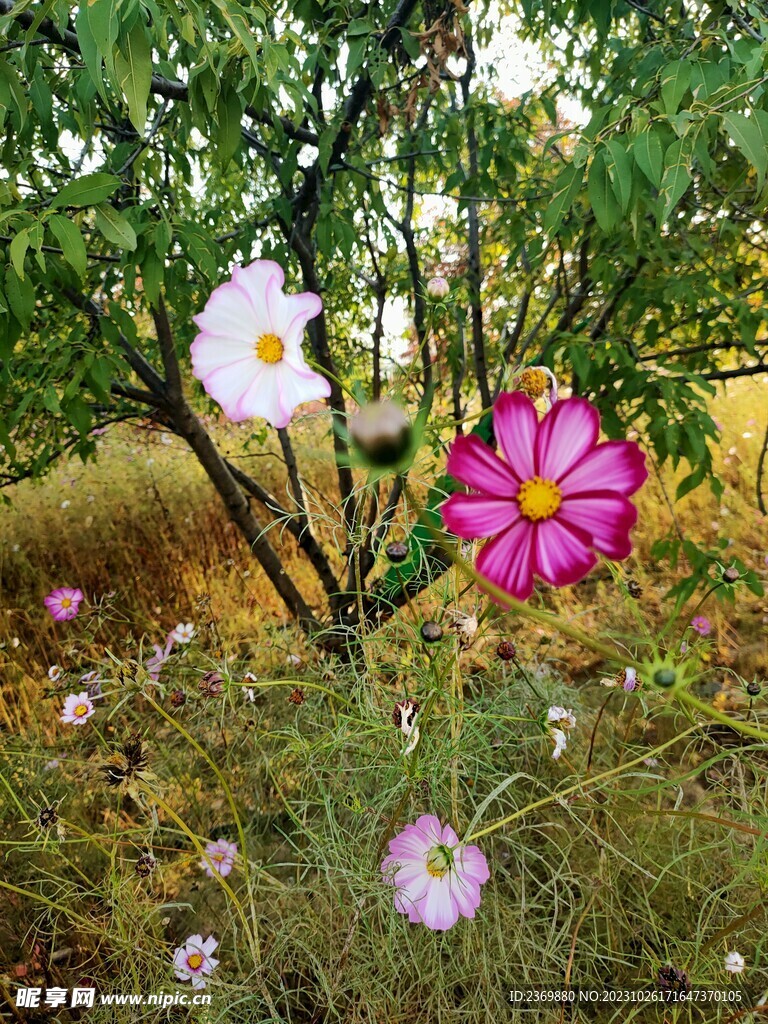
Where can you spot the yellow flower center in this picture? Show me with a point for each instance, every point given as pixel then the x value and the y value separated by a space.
pixel 194 961
pixel 81 709
pixel 269 348
pixel 533 382
pixel 539 498
pixel 66 602
pixel 439 860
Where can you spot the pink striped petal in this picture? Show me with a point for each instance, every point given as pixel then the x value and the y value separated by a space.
pixel 568 431
pixel 562 553
pixel 507 560
pixel 438 911
pixel 515 424
pixel 465 894
pixel 472 864
pixel 473 515
pixel 607 517
pixel 613 466
pixel 474 463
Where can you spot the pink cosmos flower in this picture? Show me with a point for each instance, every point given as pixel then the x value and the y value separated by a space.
pixel 193 960
pixel 78 708
pixel 63 603
pixel 701 624
pixel 556 498
pixel 248 353
pixel 436 879
pixel 223 854
pixel 154 664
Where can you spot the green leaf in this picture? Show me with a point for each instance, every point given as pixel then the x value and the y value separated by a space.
pixel 677 176
pixel 71 241
pixel 228 114
pixel 619 165
pixel 114 226
pixel 649 155
pixel 19 247
pixel 21 297
pixel 604 204
pixel 86 191
pixel 749 138
pixel 675 79
pixel 566 189
pixel 133 66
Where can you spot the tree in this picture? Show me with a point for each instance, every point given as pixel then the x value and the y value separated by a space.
pixel 148 146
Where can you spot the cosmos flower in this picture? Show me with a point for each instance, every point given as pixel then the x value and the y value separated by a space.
pixel 561 742
pixel 438 288
pixel 183 633
pixel 436 878
pixel 193 960
pixel 559 497
pixel 154 664
pixel 78 708
pixel 562 718
pixel 248 353
pixel 734 962
pixel 538 382
pixel 223 854
pixel 54 673
pixel 63 603
pixel 701 625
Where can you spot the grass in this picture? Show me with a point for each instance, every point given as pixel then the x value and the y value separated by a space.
pixel 623 866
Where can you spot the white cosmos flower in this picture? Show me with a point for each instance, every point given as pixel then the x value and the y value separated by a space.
pixel 734 962
pixel 561 717
pixel 183 633
pixel 248 353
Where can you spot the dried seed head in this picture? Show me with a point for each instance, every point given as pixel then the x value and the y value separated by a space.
pixel 177 698
pixel 128 762
pixel 634 589
pixel 397 551
pixel 145 865
pixel 431 632
pixel 296 696
pixel 506 650
pixel 404 712
pixel 47 818
pixel 671 979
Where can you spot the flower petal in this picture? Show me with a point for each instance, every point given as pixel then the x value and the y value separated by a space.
pixel 475 515
pixel 474 463
pixel 613 466
pixel 561 552
pixel 507 559
pixel 295 389
pixel 568 431
pixel 465 894
pixel 515 424
pixel 232 387
pixel 294 312
pixel 471 863
pixel 438 911
pixel 607 518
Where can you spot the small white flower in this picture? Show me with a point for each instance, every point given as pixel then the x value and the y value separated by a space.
pixel 294 660
pixel 66 503
pixel 561 717
pixel 734 962
pixel 561 742
pixel 183 633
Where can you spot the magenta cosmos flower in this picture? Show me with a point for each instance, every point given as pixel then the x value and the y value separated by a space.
pixel 223 854
pixel 78 708
pixel 436 879
pixel 701 624
pixel 556 498
pixel 193 960
pixel 63 603
pixel 248 353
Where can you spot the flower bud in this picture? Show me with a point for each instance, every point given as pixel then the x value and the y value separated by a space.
pixel 382 433
pixel 438 288
pixel 431 632
pixel 397 551
pixel 178 698
pixel 754 689
pixel 665 677
pixel 731 574
pixel 506 650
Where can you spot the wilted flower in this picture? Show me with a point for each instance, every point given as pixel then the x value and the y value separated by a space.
pixel 464 626
pixel 559 498
pixel 93 683
pixel 671 979
pixel 63 603
pixel 701 624
pixel 145 865
pixel 54 673
pixel 626 678
pixel 561 742
pixel 183 633
pixel 47 818
pixel 223 854
pixel 297 696
pixel 506 650
pixel 634 589
pixel 128 763
pixel 78 708
pixel 193 960
pixel 538 382
pixel 734 962
pixel 177 698
pixel 212 684
pixel 404 717
pixel 438 288
pixel 435 877
pixel 248 353
pixel 562 718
